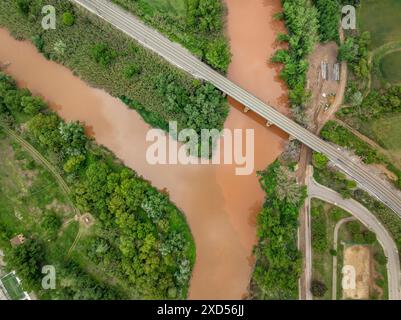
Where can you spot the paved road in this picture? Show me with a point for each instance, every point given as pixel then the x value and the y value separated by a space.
pixel 335 244
pixel 182 58
pixel 307 250
pixel 316 190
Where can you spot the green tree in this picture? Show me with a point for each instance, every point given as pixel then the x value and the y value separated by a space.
pixel 26 259
pixel 319 160
pixel 74 163
pixel 218 54
pixel 348 50
pixel 23 6
pixel 73 136
pixel 318 288
pixel 32 105
pixel 44 129
pixel 329 19
pixel 51 223
pixel 13 98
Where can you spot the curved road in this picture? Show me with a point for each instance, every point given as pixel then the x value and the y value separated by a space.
pixel 179 56
pixel 316 190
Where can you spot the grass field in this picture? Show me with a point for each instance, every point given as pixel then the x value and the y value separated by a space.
pixel 12 287
pixel 390 67
pixel 382 19
pixel 28 191
pixel 323 216
pixel 176 7
pixel 386 131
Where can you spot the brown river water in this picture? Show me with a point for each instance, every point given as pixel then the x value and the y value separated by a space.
pixel 221 207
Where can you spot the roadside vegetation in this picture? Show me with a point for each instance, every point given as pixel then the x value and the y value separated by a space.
pixel 108 59
pixel 278 261
pixel 324 218
pixel 334 132
pixel 137 244
pixel 333 179
pixel 196 24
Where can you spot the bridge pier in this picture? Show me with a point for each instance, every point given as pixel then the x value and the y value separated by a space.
pixel 246 109
pixel 268 123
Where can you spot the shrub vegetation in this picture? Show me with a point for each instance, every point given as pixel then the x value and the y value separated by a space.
pixel 278 261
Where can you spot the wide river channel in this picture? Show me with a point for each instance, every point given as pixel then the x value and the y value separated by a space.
pixel 220 207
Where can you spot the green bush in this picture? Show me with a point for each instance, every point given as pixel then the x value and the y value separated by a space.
pixel 334 132
pixel 23 6
pixel 354 227
pixel 102 54
pixel 369 237
pixel 380 258
pixel 318 288
pixel 319 160
pixel 68 19
pixel 51 223
pixel 132 70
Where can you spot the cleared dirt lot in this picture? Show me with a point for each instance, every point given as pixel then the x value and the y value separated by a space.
pixel 323 91
pixel 358 257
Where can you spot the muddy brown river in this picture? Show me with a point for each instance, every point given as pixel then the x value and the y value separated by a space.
pixel 220 207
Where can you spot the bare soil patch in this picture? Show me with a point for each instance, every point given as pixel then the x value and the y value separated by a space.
pixel 358 257
pixel 323 91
